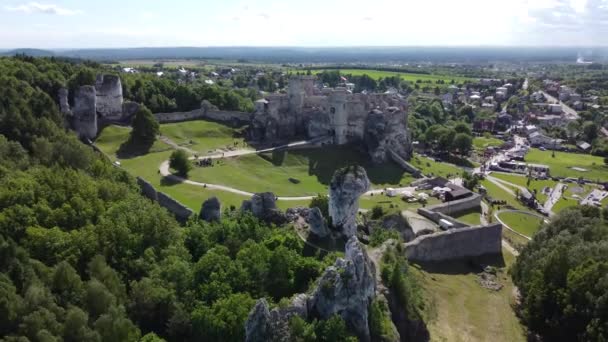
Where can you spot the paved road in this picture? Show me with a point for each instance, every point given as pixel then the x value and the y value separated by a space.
pixel 571 114
pixel 554 197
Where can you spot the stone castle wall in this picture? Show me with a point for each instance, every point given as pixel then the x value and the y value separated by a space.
pixel 197 114
pixel 456 244
pixel 181 212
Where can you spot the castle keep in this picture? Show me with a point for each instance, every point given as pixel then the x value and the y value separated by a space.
pixel 379 121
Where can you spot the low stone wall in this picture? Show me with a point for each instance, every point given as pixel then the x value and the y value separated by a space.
pixel 437 216
pixel 456 244
pixel 229 117
pixel 181 212
pixel 455 207
pixel 404 164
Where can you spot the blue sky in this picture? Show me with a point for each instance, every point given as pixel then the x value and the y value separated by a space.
pixel 138 23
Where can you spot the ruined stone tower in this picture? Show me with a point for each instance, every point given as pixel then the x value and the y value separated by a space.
pixel 338 116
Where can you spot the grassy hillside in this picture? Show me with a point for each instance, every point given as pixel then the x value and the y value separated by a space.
pixel 462 310
pixel 561 165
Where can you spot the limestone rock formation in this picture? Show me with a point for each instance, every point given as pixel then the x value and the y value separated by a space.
pixel 346 186
pixel 317 224
pixel 292 214
pixel 263 206
pixel 257 327
pixel 84 112
pixel 386 131
pixel 398 223
pixel 211 210
pixel 109 96
pixel 64 104
pixel 264 325
pixel 129 109
pixel 347 288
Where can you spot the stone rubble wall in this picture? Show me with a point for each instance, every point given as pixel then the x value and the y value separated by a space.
pixel 456 244
pixel 197 114
pixel 181 212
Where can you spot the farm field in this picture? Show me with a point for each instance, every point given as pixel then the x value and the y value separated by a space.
pixel 411 77
pixel 563 162
pixel 461 310
pixel 521 223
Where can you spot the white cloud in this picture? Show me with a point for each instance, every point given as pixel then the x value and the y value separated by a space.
pixel 35 7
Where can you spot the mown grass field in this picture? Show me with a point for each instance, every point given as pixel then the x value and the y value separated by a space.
pixel 410 77
pixel 472 217
pixel 431 167
pixel 560 166
pixel 296 172
pixel 255 173
pixel 521 223
pixel 462 310
pixel 203 136
pixel 481 143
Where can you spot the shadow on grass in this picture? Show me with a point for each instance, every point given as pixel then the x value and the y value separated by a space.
pixel 463 266
pixel 323 163
pixel 128 149
pixel 170 181
pixel 316 245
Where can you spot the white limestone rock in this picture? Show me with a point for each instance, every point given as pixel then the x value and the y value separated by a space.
pixel 109 96
pixel 347 288
pixel 347 185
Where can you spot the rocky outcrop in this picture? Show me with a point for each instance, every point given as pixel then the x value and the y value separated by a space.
pixel 129 109
pixel 398 223
pixel 316 223
pixel 347 288
pixel 263 206
pixel 211 210
pixel 84 112
pixel 347 185
pixel 258 323
pixel 264 325
pixel 109 96
pixel 386 131
pixel 64 104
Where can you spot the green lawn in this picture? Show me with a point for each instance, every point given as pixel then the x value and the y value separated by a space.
pixel 312 168
pixel 376 74
pixel 202 136
pixel 521 223
pixel 480 143
pixel 472 217
pixel 460 310
pixel 429 166
pixel 537 185
pixel 268 172
pixel 560 165
pixel 498 193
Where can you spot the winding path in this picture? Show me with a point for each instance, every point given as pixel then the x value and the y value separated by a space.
pixel 165 172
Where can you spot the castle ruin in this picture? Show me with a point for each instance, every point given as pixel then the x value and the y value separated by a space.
pixel 378 121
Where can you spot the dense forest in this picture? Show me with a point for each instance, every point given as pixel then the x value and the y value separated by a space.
pixel 84 257
pixel 562 275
